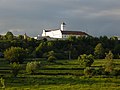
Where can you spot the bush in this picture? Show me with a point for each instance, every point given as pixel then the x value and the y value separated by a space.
pixel 109 66
pixel 51 59
pixel 32 67
pixel 109 56
pixel 2 83
pixel 115 72
pixel 86 60
pixel 98 71
pixel 88 71
pixel 15 67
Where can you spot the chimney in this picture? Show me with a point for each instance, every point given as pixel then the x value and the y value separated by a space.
pixel 63 26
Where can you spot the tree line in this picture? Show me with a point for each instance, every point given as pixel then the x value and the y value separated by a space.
pixel 70 48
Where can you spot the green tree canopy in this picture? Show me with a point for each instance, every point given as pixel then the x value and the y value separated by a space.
pixel 15 67
pixel 99 51
pixel 15 54
pixel 9 35
pixel 31 67
pixel 86 60
pixel 109 66
pixel 41 49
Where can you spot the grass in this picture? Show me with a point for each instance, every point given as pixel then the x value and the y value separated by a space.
pixel 64 83
pixel 60 75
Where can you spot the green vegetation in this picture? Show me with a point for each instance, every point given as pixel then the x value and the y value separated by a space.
pixel 15 54
pixel 31 67
pixel 109 67
pixel 15 67
pixel 86 60
pixel 70 48
pixel 29 64
pixel 99 51
pixel 60 75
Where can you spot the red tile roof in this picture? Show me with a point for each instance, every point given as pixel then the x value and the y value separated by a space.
pixel 74 33
pixel 49 30
pixel 69 32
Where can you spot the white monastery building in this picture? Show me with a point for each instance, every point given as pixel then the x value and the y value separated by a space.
pixel 62 33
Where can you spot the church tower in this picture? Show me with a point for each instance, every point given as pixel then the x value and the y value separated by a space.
pixel 62 26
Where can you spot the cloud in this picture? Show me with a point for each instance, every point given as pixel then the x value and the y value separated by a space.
pixel 32 16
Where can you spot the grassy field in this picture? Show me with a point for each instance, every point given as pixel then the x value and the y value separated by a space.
pixel 60 75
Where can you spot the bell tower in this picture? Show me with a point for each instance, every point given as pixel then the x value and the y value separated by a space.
pixel 62 26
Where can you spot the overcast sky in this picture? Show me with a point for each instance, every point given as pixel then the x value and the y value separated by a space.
pixel 96 17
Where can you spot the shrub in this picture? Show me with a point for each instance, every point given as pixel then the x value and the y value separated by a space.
pixel 15 67
pixel 86 60
pixel 32 67
pixel 87 71
pixel 115 72
pixel 51 59
pixel 98 71
pixel 2 82
pixel 109 66
pixel 109 56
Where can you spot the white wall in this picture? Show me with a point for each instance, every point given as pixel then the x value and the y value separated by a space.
pixel 53 34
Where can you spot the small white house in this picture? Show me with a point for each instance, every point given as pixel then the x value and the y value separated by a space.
pixel 61 33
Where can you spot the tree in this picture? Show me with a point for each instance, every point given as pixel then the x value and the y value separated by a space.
pixel 15 54
pixel 117 49
pixel 9 35
pixel 51 58
pixel 86 60
pixel 31 67
pixel 15 67
pixel 51 55
pixel 41 49
pixel 109 56
pixel 72 38
pixel 20 37
pixel 99 51
pixel 109 66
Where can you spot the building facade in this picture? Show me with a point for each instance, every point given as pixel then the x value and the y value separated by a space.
pixel 62 33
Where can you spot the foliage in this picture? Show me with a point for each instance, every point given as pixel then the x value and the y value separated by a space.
pixel 15 54
pixel 41 49
pixel 31 67
pixel 117 49
pixel 86 60
pixel 15 67
pixel 88 71
pixel 109 66
pixel 51 58
pixel 51 53
pixel 98 71
pixel 109 56
pixel 74 46
pixel 2 82
pixel 99 51
pixel 9 35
